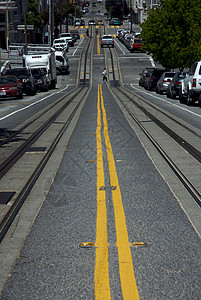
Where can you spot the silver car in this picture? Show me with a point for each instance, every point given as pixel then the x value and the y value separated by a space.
pixel 163 82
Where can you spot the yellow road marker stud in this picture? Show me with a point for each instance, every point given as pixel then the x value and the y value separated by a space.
pixel 138 244
pixel 86 244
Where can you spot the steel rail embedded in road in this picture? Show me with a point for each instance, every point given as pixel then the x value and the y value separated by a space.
pixel 80 91
pixel 121 92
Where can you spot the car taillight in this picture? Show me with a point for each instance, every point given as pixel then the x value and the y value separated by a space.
pixel 152 78
pixel 194 82
pixel 178 82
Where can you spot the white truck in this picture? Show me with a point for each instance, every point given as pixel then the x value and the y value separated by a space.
pixel 190 91
pixel 62 65
pixel 45 61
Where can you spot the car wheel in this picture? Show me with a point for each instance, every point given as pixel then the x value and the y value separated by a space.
pixel 20 96
pixel 199 101
pixel 33 91
pixel 172 96
pixel 189 100
pixel 168 94
pixel 182 99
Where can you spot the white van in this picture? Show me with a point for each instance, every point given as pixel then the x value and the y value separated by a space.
pixel 68 37
pixel 61 43
pixel 62 65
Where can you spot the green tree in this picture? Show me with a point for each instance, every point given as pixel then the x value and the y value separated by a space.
pixel 117 8
pixel 172 33
pixel 33 16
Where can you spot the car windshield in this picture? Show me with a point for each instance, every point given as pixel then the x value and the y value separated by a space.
pixel 5 79
pixel 59 41
pixel 65 35
pixel 60 58
pixel 36 73
pixel 182 76
pixel 137 41
pixel 17 73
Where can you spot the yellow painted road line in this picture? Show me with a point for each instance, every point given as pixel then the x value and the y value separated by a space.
pixel 102 286
pixel 98 45
pixel 127 277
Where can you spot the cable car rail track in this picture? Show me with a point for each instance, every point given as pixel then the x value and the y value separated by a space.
pixel 177 130
pixel 39 125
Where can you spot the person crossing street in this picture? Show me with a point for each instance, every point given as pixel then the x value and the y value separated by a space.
pixel 104 75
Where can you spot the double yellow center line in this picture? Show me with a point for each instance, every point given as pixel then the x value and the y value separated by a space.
pixel 128 282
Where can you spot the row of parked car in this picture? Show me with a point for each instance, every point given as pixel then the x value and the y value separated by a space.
pixel 15 82
pixel 131 40
pixel 18 81
pixel 186 86
pixel 66 39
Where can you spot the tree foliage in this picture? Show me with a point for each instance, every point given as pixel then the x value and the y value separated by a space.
pixel 117 8
pixel 172 33
pixel 33 16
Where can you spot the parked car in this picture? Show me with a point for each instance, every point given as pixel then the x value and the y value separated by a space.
pixel 152 78
pixel 115 22
pixel 83 21
pixel 40 79
pixel 135 44
pixel 127 39
pixel 100 22
pixel 77 23
pixel 76 33
pixel 143 75
pixel 107 40
pixel 60 43
pixel 164 81
pixel 92 22
pixel 10 87
pixel 174 87
pixel 191 86
pixel 26 78
pixel 119 31
pixel 122 35
pixel 68 37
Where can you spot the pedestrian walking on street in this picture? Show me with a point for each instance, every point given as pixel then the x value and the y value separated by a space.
pixel 104 75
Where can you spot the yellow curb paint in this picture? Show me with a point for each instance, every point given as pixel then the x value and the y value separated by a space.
pixel 128 282
pixel 98 45
pixel 102 285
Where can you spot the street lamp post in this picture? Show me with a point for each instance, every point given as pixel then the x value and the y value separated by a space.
pixel 25 28
pixel 131 15
pixel 7 27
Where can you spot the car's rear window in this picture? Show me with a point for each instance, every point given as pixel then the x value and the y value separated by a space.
pixel 107 37
pixel 137 41
pixel 7 80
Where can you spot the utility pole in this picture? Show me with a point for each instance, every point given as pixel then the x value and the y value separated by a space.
pixel 131 15
pixel 7 27
pixel 25 27
pixel 51 21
